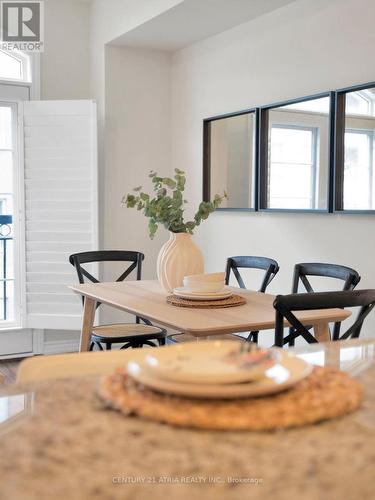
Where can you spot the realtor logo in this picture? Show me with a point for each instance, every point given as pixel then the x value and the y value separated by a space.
pixel 22 25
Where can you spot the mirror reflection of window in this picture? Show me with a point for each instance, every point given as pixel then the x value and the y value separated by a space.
pixel 359 181
pixel 232 142
pixel 298 156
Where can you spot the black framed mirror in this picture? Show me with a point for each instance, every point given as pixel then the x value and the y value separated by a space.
pixel 355 149
pixel 229 159
pixel 294 155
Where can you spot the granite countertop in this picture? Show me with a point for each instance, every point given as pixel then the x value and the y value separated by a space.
pixel 60 442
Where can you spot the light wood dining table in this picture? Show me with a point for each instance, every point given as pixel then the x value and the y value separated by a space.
pixel 147 299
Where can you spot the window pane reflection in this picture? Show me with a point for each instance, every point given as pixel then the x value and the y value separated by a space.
pixel 298 156
pixel 291 158
pixel 232 149
pixel 359 185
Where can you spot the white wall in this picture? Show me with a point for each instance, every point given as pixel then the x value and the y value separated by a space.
pixel 65 63
pixel 137 140
pixel 303 48
pixel 113 18
pixel 108 20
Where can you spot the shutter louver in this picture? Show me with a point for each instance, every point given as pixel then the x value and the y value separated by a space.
pixel 60 206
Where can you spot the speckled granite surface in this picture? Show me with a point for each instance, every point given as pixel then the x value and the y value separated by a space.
pixel 65 445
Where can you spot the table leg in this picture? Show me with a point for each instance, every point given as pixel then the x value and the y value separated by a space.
pixel 332 357
pixel 87 323
pixel 321 332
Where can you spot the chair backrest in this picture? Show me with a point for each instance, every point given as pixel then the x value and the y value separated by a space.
pixel 350 276
pixel 251 262
pixel 286 304
pixel 135 259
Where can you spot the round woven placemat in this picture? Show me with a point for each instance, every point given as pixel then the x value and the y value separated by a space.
pixel 325 394
pixel 232 301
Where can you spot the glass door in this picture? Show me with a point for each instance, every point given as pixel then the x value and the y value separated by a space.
pixel 8 174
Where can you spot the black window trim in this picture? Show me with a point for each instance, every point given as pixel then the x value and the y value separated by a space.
pixel 263 155
pixel 336 145
pixel 338 150
pixel 206 195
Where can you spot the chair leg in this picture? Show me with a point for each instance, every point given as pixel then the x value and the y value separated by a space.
pixel 279 330
pixel 126 346
pixel 99 345
pixel 91 346
pixel 147 342
pixel 292 340
pixel 336 331
pixel 108 346
pixel 135 345
pixel 252 337
pixel 161 341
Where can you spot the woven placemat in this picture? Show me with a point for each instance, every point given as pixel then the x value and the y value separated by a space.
pixel 232 301
pixel 325 394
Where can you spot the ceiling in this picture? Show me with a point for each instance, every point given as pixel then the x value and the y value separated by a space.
pixel 194 20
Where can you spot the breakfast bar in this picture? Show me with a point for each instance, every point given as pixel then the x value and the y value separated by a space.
pixel 88 451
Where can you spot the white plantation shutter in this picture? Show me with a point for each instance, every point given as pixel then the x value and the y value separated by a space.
pixel 60 206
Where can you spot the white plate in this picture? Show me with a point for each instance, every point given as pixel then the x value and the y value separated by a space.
pixel 218 362
pixel 278 378
pixel 185 293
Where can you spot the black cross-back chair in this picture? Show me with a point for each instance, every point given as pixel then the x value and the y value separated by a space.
pixel 129 334
pixel 270 266
pixel 285 305
pixel 349 276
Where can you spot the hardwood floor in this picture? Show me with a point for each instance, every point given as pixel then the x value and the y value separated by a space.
pixel 8 368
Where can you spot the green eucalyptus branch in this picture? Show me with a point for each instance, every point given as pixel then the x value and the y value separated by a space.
pixel 166 207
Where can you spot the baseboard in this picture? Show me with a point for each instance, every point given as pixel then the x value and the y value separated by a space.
pixel 16 355
pixel 61 346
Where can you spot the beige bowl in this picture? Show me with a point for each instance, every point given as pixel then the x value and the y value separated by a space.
pixel 201 286
pixel 205 277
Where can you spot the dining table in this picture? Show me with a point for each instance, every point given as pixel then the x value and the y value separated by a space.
pixel 147 299
pixel 59 440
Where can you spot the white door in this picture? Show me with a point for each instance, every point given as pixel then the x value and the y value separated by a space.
pixel 54 213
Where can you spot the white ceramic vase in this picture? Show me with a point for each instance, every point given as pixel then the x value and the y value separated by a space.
pixel 178 257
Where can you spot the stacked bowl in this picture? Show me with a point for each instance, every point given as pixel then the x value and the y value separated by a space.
pixel 204 287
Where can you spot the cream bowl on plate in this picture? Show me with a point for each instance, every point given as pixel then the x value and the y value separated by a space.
pixel 211 283
pixel 200 286
pixel 205 277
